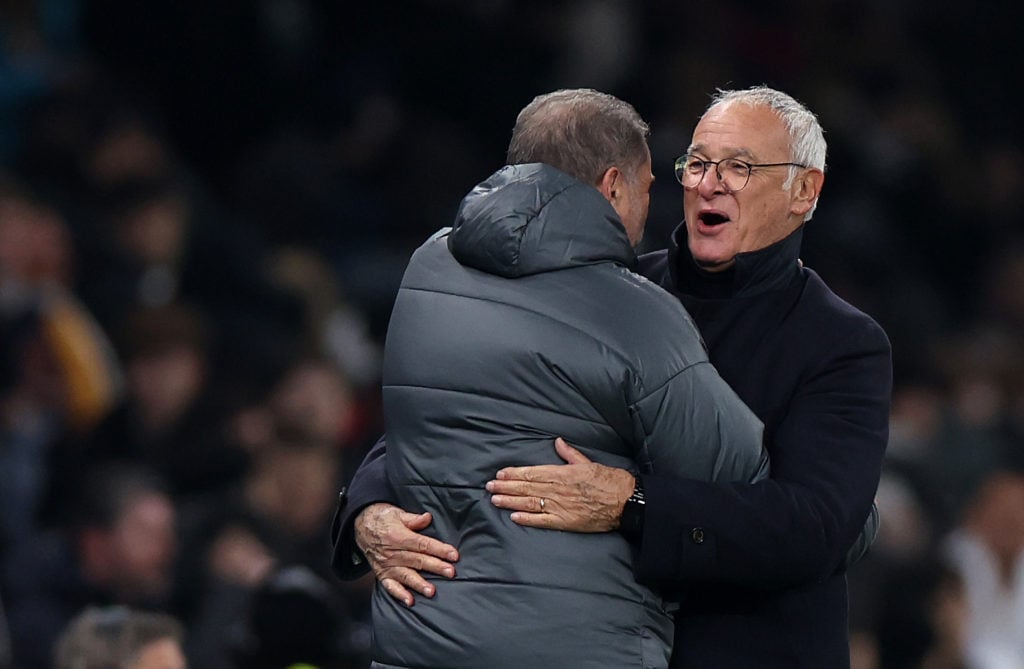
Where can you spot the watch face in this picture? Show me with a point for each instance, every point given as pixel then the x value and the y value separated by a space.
pixel 638 493
pixel 632 522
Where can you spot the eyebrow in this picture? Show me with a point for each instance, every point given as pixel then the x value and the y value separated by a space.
pixel 741 152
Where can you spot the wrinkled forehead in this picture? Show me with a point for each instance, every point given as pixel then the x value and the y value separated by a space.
pixel 740 130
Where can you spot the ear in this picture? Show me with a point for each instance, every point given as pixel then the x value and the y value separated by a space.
pixel 805 191
pixel 610 183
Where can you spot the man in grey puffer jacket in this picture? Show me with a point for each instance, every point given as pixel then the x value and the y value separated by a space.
pixel 521 323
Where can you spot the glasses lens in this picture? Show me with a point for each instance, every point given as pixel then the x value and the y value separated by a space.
pixel 680 168
pixel 689 170
pixel 735 174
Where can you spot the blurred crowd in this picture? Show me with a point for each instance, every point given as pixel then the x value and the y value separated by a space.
pixel 205 210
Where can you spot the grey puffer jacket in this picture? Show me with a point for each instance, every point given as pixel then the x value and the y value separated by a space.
pixel 521 324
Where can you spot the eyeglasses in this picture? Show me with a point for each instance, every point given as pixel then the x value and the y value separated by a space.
pixel 732 172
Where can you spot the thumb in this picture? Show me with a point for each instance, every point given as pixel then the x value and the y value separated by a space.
pixel 416 521
pixel 569 454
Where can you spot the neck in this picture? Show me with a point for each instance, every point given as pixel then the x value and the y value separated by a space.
pixel 746 274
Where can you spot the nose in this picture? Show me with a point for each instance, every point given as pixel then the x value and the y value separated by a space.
pixel 710 182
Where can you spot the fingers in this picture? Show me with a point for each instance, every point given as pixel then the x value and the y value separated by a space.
pixel 398 591
pixel 399 554
pixel 401 583
pixel 527 503
pixel 396 531
pixel 384 559
pixel 423 563
pixel 569 453
pixel 546 473
pixel 435 548
pixel 409 539
pixel 520 488
pixel 539 473
pixel 401 574
pixel 416 521
pixel 545 521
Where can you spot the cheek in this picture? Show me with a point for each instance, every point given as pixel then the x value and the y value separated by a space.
pixel 762 222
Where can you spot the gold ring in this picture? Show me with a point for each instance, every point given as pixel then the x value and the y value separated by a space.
pixel 542 503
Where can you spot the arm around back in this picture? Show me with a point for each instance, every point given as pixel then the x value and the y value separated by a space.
pixel 695 426
pixel 796 527
pixel 369 485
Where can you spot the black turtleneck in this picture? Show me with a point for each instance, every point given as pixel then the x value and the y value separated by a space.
pixel 753 273
pixel 818 372
pixel 736 309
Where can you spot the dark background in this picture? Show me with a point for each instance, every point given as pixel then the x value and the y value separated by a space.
pixel 350 131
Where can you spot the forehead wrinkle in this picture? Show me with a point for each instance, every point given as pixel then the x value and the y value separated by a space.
pixel 730 152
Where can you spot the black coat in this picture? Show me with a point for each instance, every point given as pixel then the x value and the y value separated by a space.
pixel 765 587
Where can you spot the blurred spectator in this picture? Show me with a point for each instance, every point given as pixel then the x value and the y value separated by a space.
pixel 987 551
pixel 331 323
pixel 155 243
pixel 87 137
pixel 294 618
pixel 38 42
pixel 170 419
pixel 280 512
pixel 315 403
pixel 947 614
pixel 120 638
pixel 29 422
pixel 58 372
pixel 922 623
pixel 37 262
pixel 120 548
pixel 982 367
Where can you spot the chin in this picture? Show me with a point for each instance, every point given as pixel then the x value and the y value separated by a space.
pixel 709 259
pixel 715 265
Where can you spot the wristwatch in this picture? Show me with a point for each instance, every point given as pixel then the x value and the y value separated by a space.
pixel 631 523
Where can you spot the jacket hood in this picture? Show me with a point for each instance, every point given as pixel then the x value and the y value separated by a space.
pixel 533 218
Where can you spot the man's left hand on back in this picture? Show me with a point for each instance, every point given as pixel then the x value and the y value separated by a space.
pixel 580 496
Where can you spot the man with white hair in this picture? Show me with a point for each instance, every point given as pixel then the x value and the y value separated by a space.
pixel 758 569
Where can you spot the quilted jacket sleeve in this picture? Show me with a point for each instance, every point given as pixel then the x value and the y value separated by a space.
pixel 694 426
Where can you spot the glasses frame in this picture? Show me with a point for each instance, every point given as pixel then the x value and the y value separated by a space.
pixel 682 160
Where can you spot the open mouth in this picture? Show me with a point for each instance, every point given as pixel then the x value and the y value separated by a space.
pixel 712 218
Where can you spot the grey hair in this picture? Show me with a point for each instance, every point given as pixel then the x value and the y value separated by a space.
pixel 582 132
pixel 806 137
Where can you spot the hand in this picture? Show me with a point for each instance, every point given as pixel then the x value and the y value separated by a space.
pixel 581 496
pixel 396 551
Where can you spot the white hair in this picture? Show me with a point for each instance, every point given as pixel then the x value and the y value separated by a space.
pixel 806 138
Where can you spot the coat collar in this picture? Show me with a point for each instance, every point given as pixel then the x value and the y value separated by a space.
pixel 753 273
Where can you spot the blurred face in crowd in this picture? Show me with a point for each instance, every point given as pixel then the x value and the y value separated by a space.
pixel 633 199
pixel 316 397
pixel 155 232
pixel 143 545
pixel 161 654
pixel 303 483
pixel 721 224
pixel 996 516
pixel 164 384
pixel 35 245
